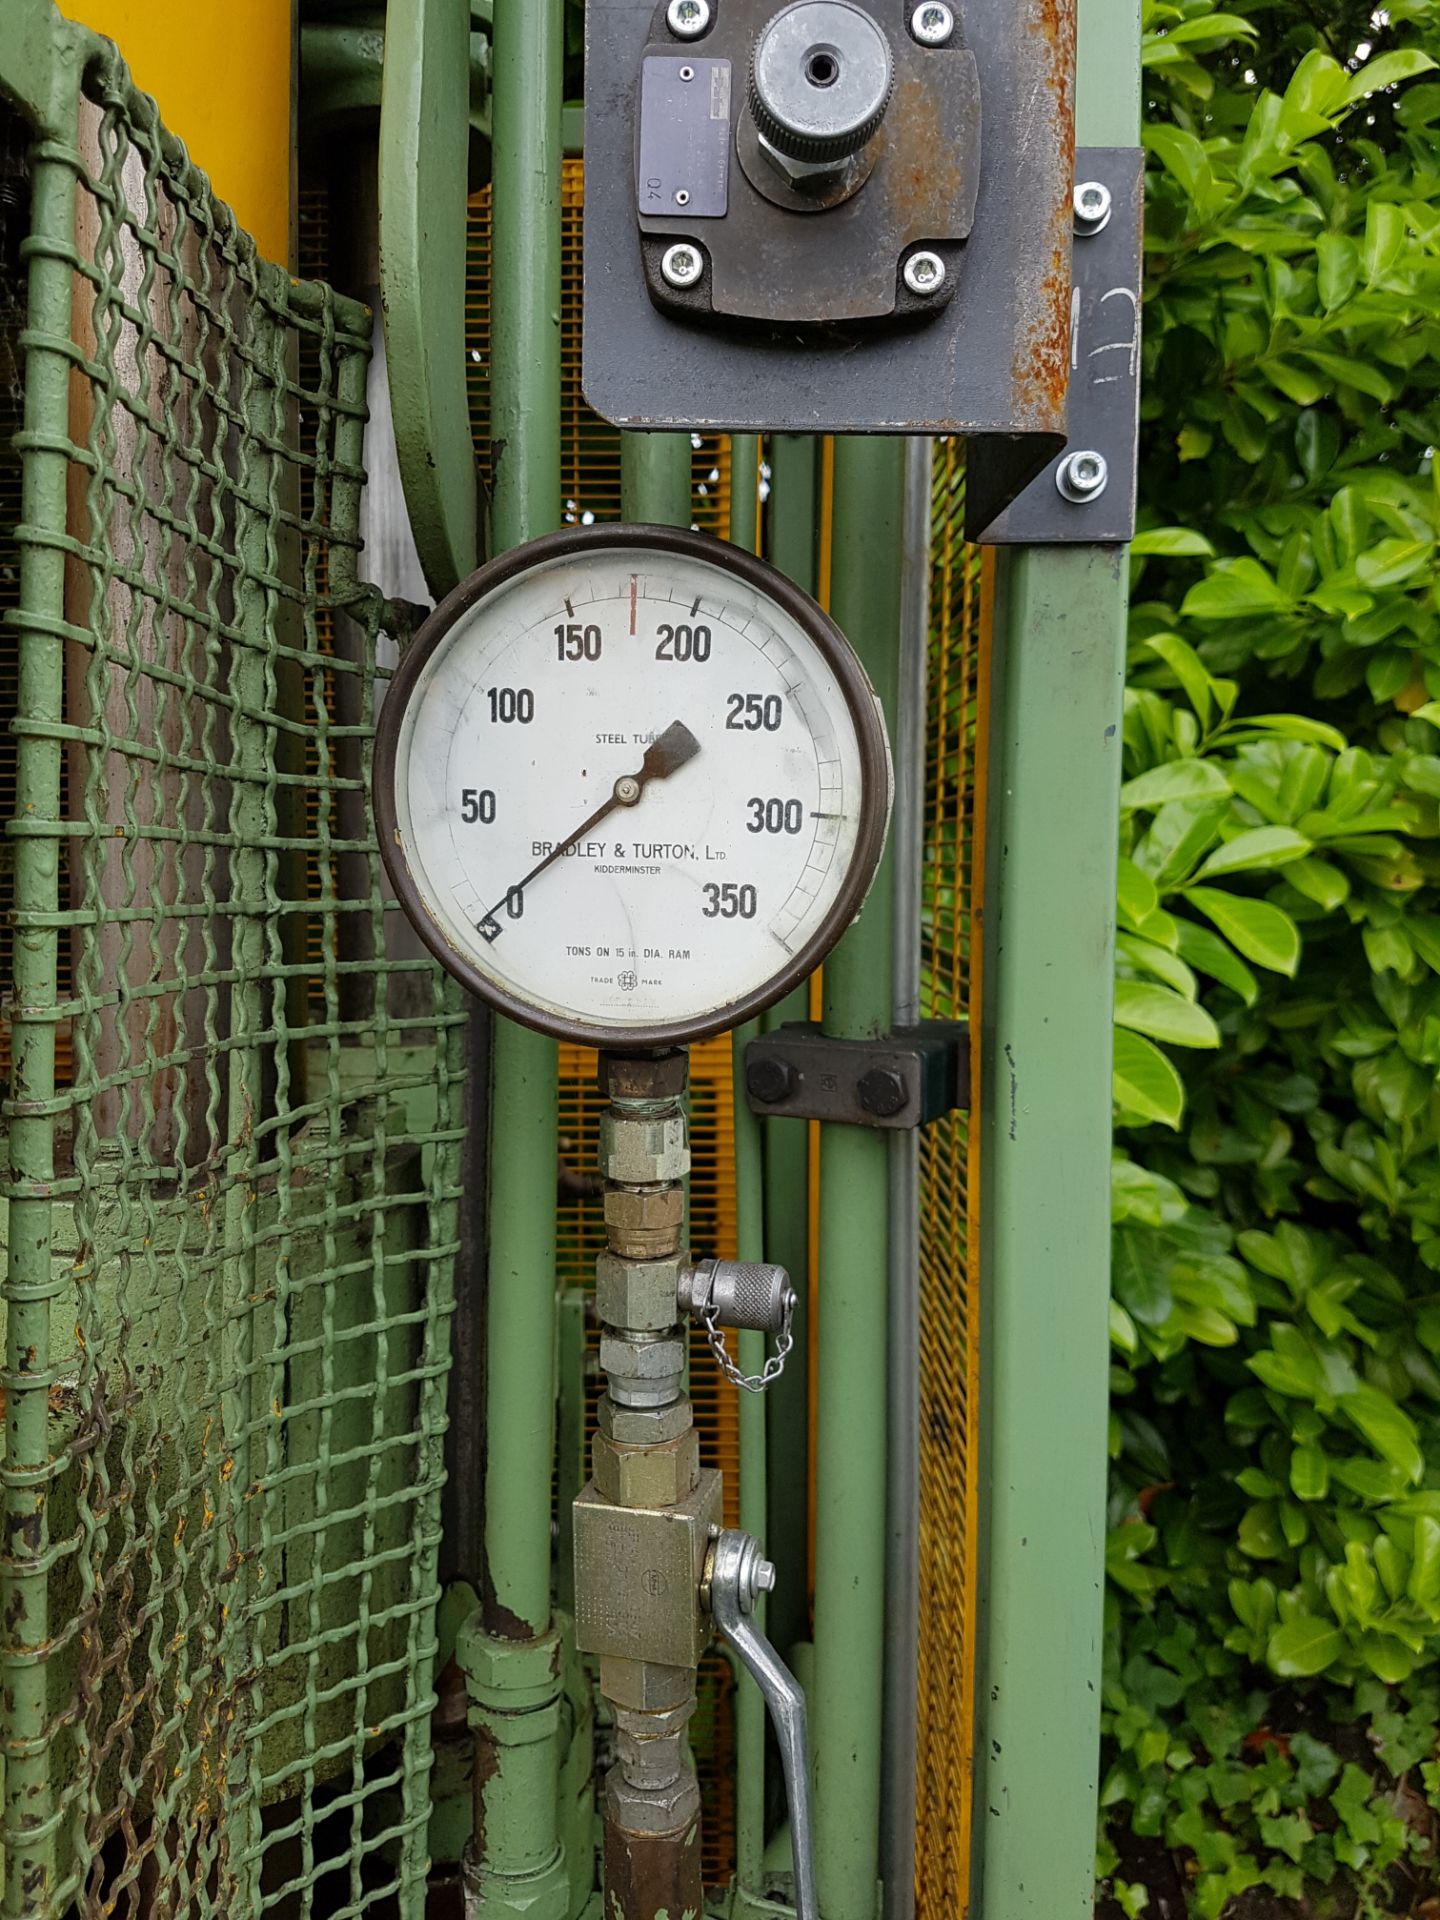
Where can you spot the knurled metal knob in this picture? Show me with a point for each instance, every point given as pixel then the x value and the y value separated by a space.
pixel 750 1294
pixel 820 79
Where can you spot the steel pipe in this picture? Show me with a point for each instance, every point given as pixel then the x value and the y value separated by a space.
pixel 851 1436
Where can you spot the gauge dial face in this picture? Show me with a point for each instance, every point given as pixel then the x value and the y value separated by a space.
pixel 631 784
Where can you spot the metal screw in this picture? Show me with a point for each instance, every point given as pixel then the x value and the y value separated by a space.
pixel 688 19
pixel 1093 202
pixel 765 1577
pixel 924 273
pixel 770 1080
pixel 682 265
pixel 882 1092
pixel 932 23
pixel 1082 475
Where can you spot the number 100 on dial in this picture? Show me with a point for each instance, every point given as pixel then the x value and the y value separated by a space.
pixel 631 784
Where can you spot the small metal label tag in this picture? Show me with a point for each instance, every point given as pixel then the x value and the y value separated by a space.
pixel 684 167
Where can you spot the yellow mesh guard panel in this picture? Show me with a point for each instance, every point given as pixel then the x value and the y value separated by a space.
pixel 948 1226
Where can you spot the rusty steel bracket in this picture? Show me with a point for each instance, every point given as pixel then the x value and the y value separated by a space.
pixel 991 362
pixel 905 1079
pixel 1104 413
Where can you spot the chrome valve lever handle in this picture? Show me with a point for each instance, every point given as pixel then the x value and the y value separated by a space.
pixel 736 1573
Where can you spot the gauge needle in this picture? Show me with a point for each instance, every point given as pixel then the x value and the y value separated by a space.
pixel 665 755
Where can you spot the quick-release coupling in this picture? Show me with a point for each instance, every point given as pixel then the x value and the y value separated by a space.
pixel 753 1295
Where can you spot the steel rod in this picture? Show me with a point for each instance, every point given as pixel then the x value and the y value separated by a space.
pixel 525 426
pixel 902 1572
pixel 791 534
pixel 850 1468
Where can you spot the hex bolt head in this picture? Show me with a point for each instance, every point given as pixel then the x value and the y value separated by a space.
pixel 924 273
pixel 882 1092
pixel 932 23
pixel 682 265
pixel 1082 476
pixel 687 19
pixel 769 1080
pixel 1093 205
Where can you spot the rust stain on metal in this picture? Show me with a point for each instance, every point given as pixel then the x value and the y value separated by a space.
pixel 924 173
pixel 1040 372
pixel 650 1875
pixel 487 1766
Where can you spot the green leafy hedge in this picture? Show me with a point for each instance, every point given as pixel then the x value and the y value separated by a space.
pixel 1271 1691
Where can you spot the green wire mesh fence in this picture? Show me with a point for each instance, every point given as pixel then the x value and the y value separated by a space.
pixel 234 1104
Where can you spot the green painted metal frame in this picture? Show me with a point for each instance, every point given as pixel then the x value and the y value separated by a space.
pixel 846 1696
pixel 519 1650
pixel 1045 1166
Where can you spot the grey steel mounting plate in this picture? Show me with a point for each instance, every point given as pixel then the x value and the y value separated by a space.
pixel 1104 378
pixel 992 363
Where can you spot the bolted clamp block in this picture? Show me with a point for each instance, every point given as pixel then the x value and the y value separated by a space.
pixel 637 1576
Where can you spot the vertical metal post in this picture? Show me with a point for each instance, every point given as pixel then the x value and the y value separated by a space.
pixel 791 537
pixel 525 428
pixel 1045 1154
pixel 516 1665
pixel 655 478
pixel 850 1467
pixel 32 1281
pixel 902 1577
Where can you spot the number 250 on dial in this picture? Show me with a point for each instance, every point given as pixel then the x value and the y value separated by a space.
pixel 631 784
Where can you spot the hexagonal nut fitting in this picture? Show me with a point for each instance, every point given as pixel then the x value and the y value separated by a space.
pixel 646 1476
pixel 644 1426
pixel 643 1153
pixel 644 1686
pixel 649 1076
pixel 639 1294
pixel 643 1373
pixel 669 1809
pixel 644 1225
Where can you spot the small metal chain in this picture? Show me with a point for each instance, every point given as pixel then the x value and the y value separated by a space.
pixel 774 1366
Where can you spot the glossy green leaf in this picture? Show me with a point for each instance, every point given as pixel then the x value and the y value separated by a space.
pixel 1257 851
pixel 1234 590
pixel 1146 1084
pixel 1301 1648
pixel 1260 931
pixel 1172 542
pixel 1175 780
pixel 1206 952
pixel 1145 1007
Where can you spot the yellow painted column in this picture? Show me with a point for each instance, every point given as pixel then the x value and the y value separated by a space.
pixel 223 75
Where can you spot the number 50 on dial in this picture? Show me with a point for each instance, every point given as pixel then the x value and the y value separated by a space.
pixel 631 784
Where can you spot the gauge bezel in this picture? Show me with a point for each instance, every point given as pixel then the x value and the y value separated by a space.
pixel 864 707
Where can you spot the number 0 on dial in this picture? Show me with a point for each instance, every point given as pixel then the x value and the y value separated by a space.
pixel 631 784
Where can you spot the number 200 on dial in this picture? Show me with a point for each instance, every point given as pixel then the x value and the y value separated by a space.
pixel 631 784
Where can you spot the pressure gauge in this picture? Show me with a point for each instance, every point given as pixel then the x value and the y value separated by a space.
pixel 631 783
